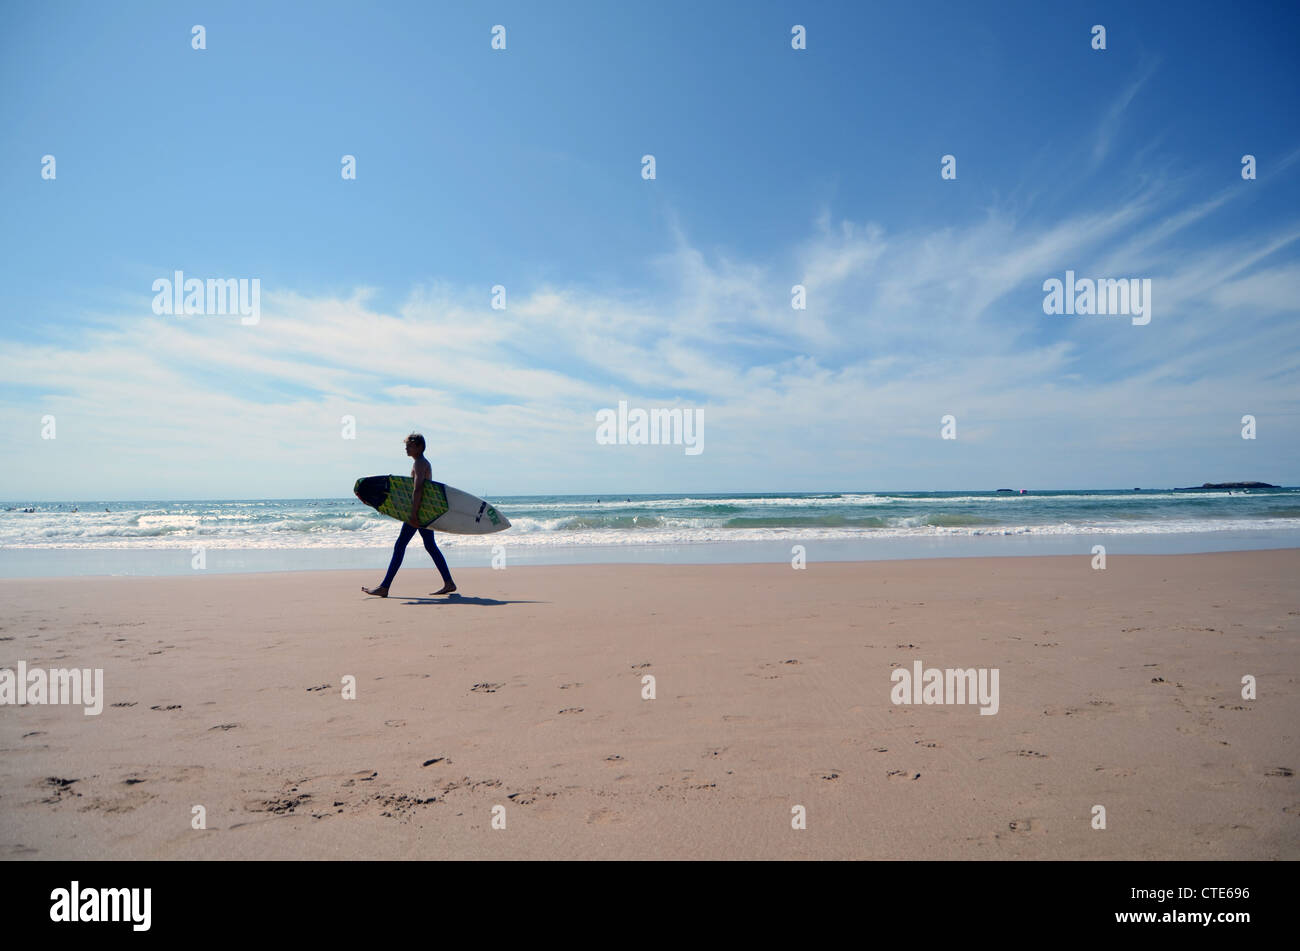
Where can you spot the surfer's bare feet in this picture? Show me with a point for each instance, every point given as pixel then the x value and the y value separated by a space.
pixel 448 588
pixel 377 592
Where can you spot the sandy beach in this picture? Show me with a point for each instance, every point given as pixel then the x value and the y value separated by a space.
pixel 1120 688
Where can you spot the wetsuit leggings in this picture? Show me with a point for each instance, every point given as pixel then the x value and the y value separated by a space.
pixel 426 535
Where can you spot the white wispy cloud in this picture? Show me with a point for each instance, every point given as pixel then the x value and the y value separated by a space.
pixel 1109 127
pixel 901 329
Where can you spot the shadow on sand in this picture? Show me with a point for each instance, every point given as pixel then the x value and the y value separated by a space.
pixel 457 599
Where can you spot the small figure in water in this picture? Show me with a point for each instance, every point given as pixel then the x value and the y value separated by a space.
pixel 421 472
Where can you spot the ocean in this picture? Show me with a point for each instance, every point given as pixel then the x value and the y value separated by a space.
pixel 152 537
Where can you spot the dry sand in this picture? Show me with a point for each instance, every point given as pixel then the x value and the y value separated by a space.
pixel 1119 688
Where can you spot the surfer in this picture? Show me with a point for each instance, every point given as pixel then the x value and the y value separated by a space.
pixel 421 473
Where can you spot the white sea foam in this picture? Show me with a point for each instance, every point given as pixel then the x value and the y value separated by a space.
pixel 381 533
pixel 577 522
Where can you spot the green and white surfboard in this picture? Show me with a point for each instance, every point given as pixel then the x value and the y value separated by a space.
pixel 443 508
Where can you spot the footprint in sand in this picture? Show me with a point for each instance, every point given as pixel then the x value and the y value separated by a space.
pixel 902 774
pixel 57 789
pixel 280 806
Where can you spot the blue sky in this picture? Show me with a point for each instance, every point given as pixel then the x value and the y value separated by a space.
pixel 522 168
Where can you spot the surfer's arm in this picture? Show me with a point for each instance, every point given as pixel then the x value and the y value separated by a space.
pixel 416 498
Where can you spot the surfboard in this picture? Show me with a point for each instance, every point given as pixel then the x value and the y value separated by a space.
pixel 443 508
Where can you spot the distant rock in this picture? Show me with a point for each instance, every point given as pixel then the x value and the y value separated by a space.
pixel 1228 485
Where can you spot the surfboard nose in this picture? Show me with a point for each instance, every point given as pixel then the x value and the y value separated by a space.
pixel 372 490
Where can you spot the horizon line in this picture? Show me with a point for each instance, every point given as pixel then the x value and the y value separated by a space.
pixel 650 495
